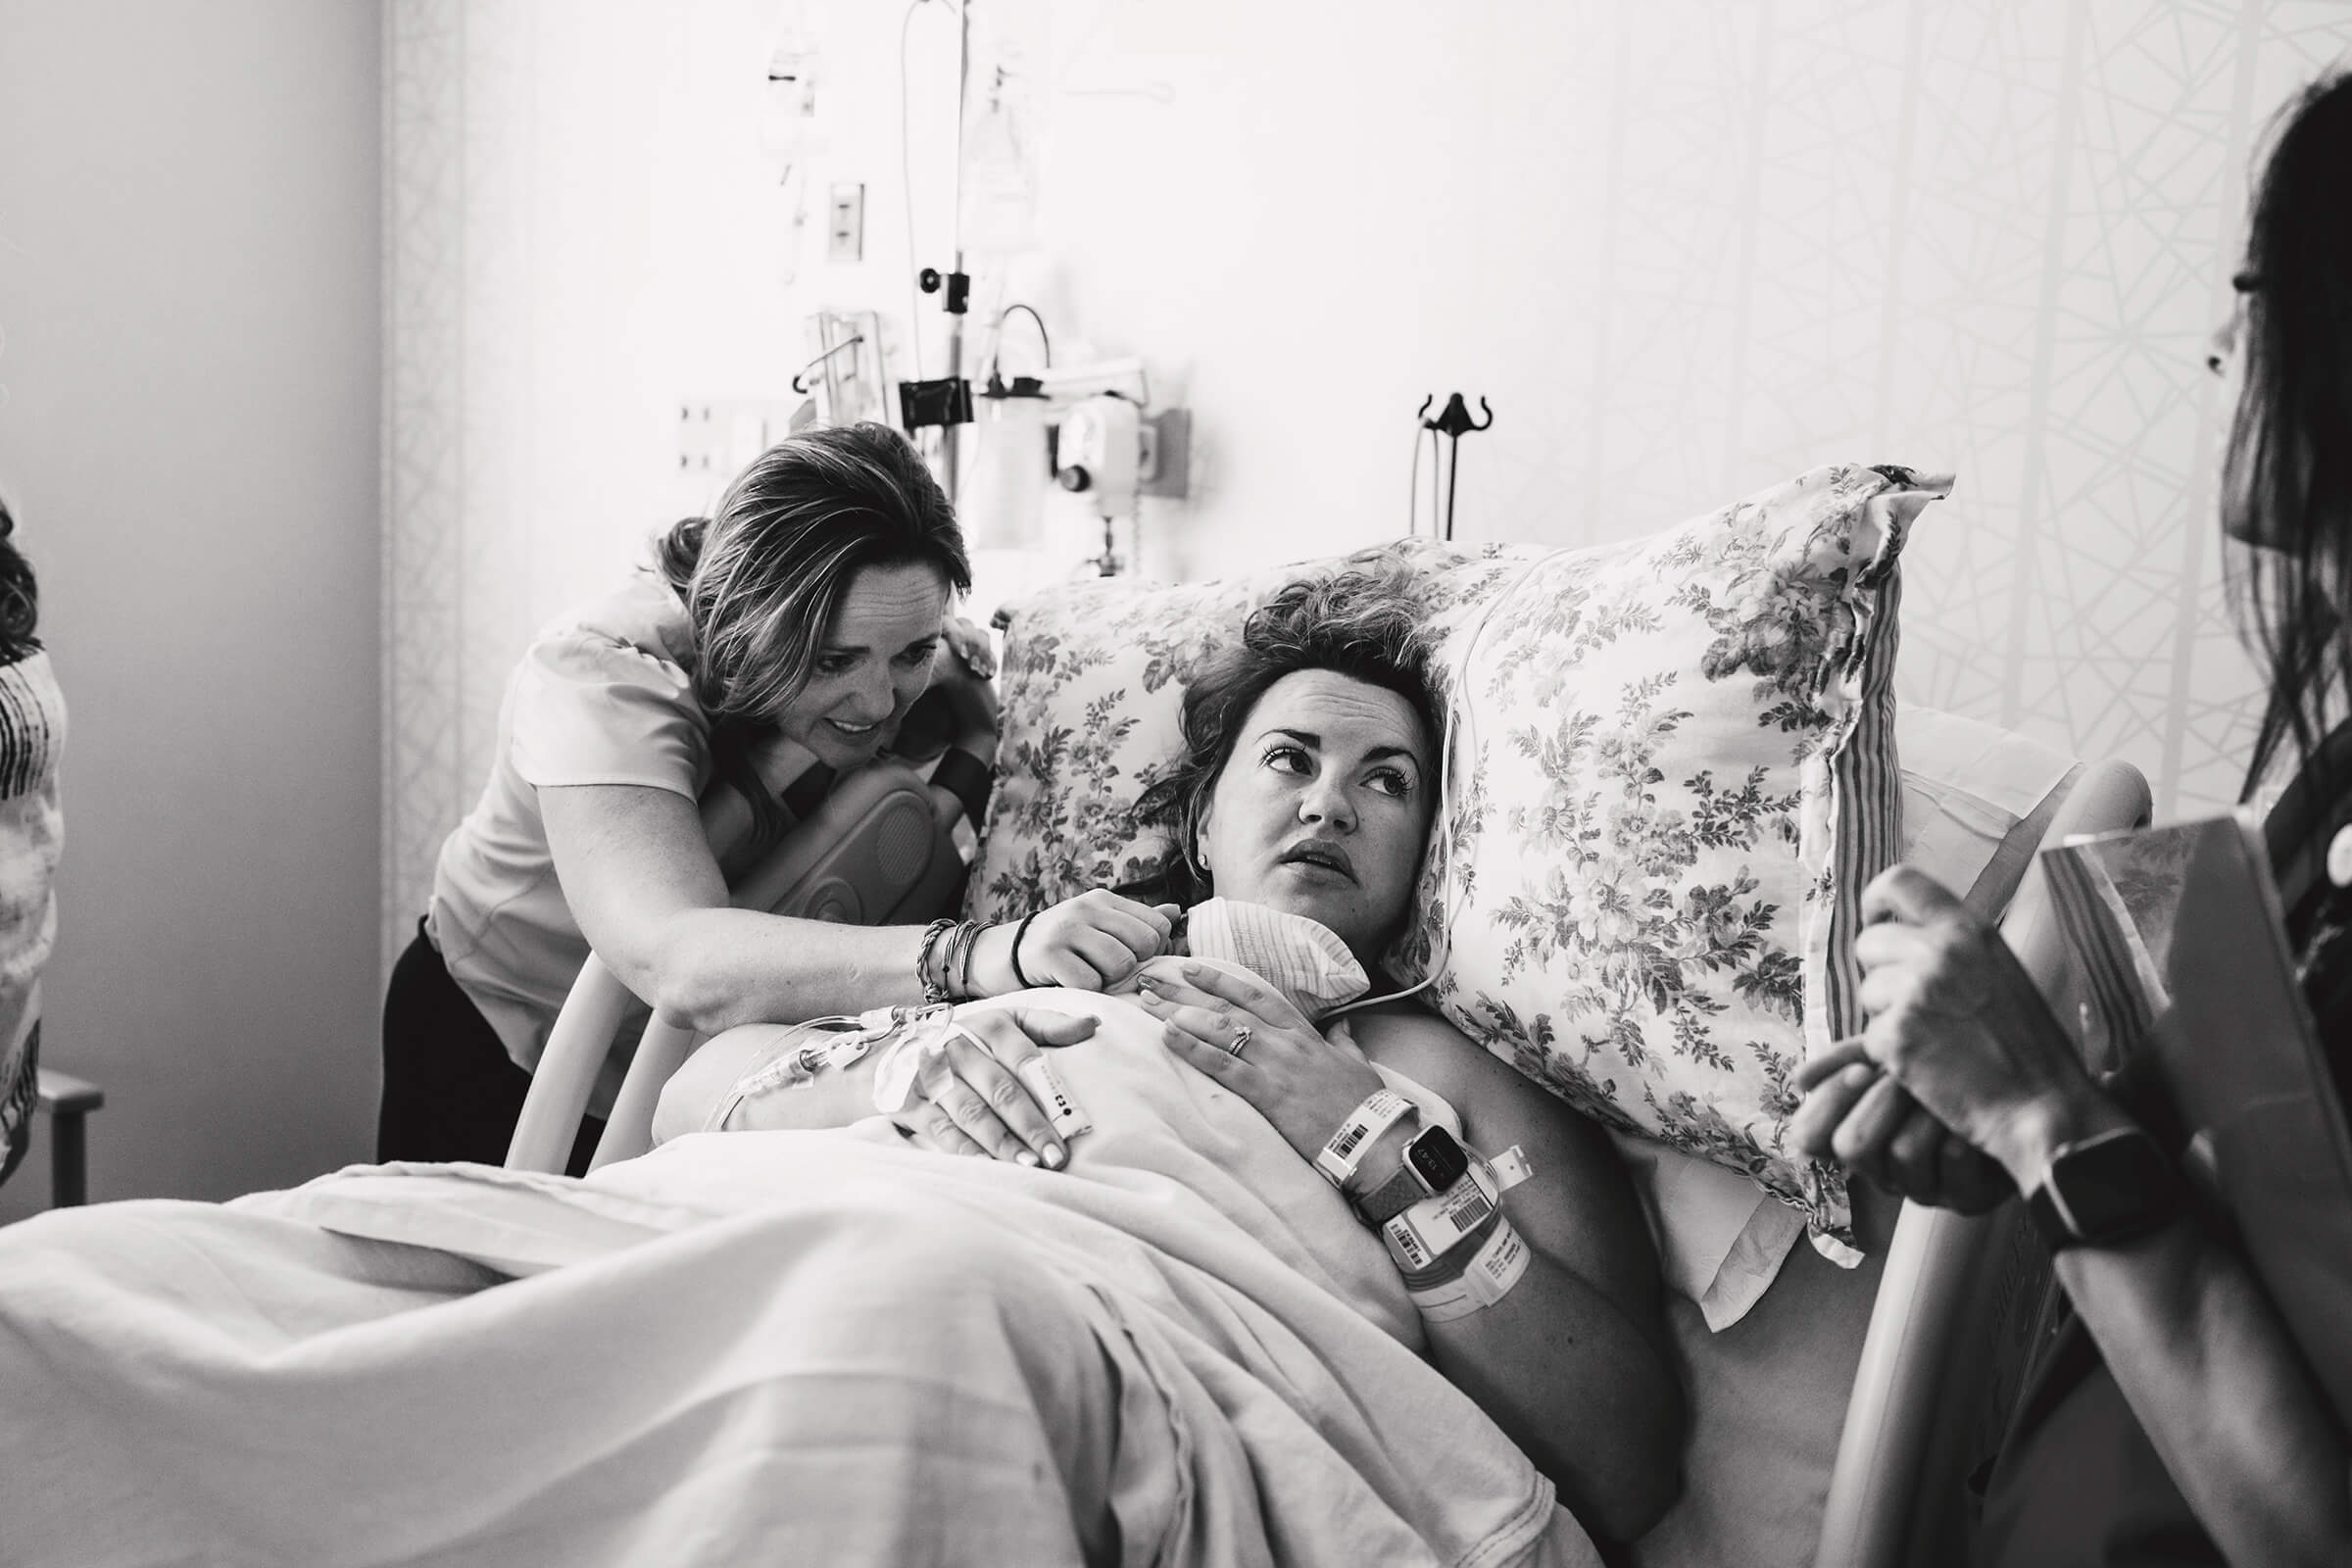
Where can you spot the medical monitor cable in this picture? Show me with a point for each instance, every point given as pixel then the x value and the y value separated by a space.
pixel 1448 901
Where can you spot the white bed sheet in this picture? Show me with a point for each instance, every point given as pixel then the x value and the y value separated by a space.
pixel 759 1347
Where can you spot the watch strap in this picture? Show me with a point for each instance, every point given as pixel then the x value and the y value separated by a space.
pixel 1391 1198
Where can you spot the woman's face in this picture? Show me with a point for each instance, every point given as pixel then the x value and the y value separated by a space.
pixel 1323 807
pixel 874 662
pixel 2226 357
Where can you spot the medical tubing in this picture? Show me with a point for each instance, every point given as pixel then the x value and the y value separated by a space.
pixel 1018 932
pixel 1448 902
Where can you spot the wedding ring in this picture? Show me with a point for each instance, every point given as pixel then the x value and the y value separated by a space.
pixel 1241 1038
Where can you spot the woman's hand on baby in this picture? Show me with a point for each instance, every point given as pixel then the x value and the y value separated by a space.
pixel 1089 942
pixel 970 1100
pixel 1302 1081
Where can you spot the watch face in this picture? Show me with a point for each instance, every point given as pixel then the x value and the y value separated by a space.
pixel 2112 1185
pixel 1436 1159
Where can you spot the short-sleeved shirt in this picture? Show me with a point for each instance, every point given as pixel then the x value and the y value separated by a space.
pixel 603 696
pixel 32 737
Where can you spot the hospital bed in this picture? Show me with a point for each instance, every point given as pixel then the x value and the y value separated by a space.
pixel 1838 1422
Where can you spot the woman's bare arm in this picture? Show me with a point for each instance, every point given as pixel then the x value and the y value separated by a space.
pixel 2205 1360
pixel 2202 1355
pixel 1573 1362
pixel 640 878
pixel 647 892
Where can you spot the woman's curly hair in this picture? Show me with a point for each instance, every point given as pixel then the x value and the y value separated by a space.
pixel 1364 622
pixel 19 596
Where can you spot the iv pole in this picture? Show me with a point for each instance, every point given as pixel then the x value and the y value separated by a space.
pixel 956 406
pixel 959 284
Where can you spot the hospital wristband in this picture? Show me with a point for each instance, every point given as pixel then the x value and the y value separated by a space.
pixel 1424 1236
pixel 1499 1264
pixel 1339 1156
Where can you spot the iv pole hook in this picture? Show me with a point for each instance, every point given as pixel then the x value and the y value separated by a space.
pixel 1453 422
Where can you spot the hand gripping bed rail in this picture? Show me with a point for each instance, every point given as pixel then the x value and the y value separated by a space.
pixel 871 854
pixel 1963 1304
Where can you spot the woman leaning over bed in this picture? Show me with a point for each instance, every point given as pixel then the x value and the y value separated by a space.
pixel 654 742
pixel 1308 788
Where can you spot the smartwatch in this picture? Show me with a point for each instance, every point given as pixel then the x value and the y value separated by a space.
pixel 2104 1191
pixel 1434 1161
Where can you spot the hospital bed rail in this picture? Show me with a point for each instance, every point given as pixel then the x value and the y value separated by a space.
pixel 1964 1302
pixel 872 853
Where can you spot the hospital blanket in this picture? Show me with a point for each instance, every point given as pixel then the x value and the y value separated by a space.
pixel 798 1348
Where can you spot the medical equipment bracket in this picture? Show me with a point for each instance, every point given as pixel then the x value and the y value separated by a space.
pixel 1453 422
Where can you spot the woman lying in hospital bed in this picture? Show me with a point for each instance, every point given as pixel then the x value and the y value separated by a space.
pixel 1189 1346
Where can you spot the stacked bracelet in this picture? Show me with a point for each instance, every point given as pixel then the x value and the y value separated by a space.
pixel 959 960
pixel 951 979
pixel 934 989
pixel 1018 932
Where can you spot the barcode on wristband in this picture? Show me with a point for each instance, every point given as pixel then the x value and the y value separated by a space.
pixel 1405 1244
pixel 1380 1110
pixel 1465 1208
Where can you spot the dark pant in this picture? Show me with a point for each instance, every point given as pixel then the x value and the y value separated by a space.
pixel 451 1091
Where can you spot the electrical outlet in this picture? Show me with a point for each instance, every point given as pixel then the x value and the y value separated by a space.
pixel 701 435
pixel 720 436
pixel 844 239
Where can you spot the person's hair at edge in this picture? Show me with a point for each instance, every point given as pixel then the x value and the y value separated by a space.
pixel 2289 458
pixel 1364 622
pixel 19 596
pixel 762 576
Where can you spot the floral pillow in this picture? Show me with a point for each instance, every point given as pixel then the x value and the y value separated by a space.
pixel 1673 772
pixel 1090 689
pixel 1676 771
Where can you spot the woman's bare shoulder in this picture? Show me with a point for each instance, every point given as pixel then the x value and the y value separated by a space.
pixel 1439 1056
pixel 1580 1209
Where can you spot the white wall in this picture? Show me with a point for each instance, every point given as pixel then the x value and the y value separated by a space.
pixel 1686 248
pixel 189 327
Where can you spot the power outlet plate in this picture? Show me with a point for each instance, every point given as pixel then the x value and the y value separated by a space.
pixel 720 436
pixel 845 230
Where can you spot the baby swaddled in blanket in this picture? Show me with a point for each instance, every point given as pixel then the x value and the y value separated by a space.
pixel 1272 1308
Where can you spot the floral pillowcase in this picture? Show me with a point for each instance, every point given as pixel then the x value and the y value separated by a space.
pixel 1091 687
pixel 1673 772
